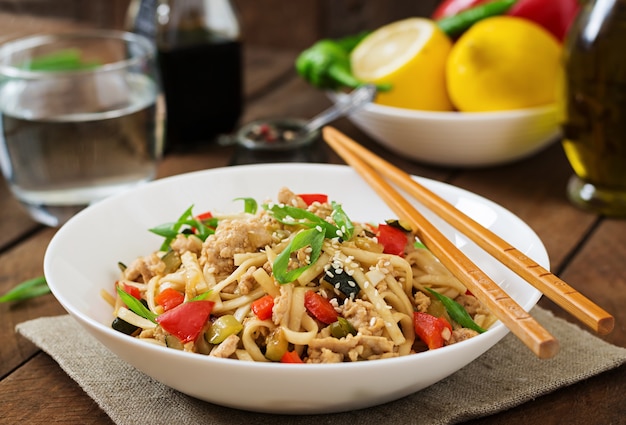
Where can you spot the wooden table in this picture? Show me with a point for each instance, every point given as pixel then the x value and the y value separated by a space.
pixel 585 250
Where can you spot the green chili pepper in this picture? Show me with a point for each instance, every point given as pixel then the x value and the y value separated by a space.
pixel 29 289
pixel 455 25
pixel 457 312
pixel 326 65
pixel 349 42
pixel 222 328
pixel 342 328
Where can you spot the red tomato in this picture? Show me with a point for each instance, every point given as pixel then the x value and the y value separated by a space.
pixel 204 216
pixel 131 290
pixel 186 320
pixel 263 307
pixel 452 7
pixel 169 298
pixel 320 307
pixel 291 357
pixel 392 239
pixel 430 329
pixel 555 15
pixel 309 198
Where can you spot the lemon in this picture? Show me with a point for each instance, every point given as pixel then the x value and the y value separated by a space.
pixel 409 54
pixel 503 63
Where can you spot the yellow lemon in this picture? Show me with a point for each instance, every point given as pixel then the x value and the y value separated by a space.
pixel 503 63
pixel 410 55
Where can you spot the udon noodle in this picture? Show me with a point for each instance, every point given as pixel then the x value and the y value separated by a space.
pixel 336 298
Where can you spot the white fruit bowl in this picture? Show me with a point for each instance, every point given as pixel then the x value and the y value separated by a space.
pixel 459 139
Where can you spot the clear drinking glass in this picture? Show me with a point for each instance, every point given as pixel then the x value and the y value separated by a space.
pixel 78 119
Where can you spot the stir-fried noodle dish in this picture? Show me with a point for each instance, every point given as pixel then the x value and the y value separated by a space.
pixel 293 281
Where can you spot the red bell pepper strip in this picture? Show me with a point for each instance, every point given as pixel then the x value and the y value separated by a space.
pixel 131 290
pixel 430 329
pixel 392 239
pixel 263 307
pixel 204 216
pixel 169 298
pixel 186 320
pixel 291 357
pixel 320 307
pixel 309 198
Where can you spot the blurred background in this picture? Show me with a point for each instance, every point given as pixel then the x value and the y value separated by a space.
pixel 264 22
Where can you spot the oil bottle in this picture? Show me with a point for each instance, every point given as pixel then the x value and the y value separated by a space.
pixel 594 126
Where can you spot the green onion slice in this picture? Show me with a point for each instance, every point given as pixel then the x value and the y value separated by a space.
pixel 28 289
pixel 457 312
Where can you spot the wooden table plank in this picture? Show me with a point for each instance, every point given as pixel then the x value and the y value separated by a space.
pixel 599 272
pixel 19 264
pixel 53 397
pixel 14 221
pixel 535 190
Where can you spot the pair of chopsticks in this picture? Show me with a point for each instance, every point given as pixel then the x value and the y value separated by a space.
pixel 374 170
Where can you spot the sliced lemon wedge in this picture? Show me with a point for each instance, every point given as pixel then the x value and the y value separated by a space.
pixel 410 55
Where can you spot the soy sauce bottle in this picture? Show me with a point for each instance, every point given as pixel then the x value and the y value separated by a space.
pixel 200 60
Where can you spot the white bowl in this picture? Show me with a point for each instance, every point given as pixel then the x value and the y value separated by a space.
pixel 459 139
pixel 82 259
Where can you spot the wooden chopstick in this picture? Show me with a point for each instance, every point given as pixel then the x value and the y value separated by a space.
pixel 550 285
pixel 514 317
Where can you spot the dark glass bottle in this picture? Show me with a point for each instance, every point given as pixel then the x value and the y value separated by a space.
pixel 200 60
pixel 594 127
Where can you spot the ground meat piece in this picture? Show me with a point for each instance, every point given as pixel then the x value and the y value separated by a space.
pixel 351 348
pixel 233 237
pixel 282 304
pixel 324 355
pixel 472 305
pixel 246 282
pixel 227 348
pixel 321 210
pixel 422 302
pixel 144 268
pixel 189 243
pixel 287 197
pixel 461 334
pixel 362 315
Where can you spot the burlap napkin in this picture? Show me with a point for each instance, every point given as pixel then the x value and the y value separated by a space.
pixel 506 376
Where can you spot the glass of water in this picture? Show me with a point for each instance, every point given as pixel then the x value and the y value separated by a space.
pixel 79 119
